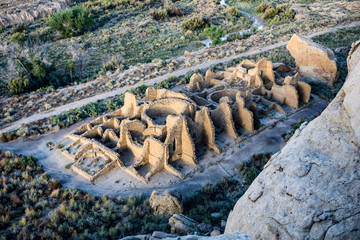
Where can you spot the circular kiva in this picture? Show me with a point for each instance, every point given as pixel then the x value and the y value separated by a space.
pixel 155 113
pixel 217 95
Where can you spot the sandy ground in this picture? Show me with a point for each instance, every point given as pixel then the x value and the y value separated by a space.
pixel 212 167
pixel 66 107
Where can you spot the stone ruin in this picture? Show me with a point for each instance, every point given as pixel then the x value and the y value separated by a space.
pixel 162 131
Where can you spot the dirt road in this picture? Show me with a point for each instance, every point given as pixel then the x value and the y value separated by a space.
pixel 66 107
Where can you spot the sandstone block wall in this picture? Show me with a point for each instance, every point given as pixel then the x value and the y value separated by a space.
pixel 162 132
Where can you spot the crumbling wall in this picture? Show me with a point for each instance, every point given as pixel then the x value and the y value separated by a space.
pixel 222 118
pixel 243 116
pixel 162 132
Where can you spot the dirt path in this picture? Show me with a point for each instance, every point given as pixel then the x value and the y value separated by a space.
pixel 118 183
pixel 258 23
pixel 66 107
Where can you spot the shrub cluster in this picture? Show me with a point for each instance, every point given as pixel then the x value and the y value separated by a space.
pixel 168 12
pixel 194 23
pixel 280 14
pixel 119 4
pixel 71 22
pixel 215 34
pixel 35 206
pixel 232 13
pixel 251 169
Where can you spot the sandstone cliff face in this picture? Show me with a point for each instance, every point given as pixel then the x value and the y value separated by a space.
pixel 310 189
pixel 30 11
pixel 313 60
pixel 354 55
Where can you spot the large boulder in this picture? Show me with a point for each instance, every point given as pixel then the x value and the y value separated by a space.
pixel 184 225
pixel 165 202
pixel 228 236
pixel 310 189
pixel 314 61
pixel 354 56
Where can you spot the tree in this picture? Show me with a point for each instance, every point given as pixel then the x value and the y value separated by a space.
pixel 69 65
pixel 71 22
pixel 215 34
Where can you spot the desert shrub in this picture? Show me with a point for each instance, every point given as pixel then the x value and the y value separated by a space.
pixel 238 36
pixel 220 197
pixel 17 85
pixel 158 14
pixel 194 23
pixel 215 33
pixel 169 11
pixel 280 14
pixel 232 13
pixel 18 38
pixel 174 11
pixel 21 27
pixel 251 169
pixel 29 198
pixel 269 13
pixel 262 8
pixel 71 22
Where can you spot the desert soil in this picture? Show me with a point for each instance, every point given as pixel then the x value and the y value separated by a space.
pixel 66 107
pixel 212 167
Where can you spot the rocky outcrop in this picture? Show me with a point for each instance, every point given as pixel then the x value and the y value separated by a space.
pixel 314 61
pixel 158 235
pixel 29 11
pixel 165 202
pixel 310 189
pixel 354 56
pixel 184 225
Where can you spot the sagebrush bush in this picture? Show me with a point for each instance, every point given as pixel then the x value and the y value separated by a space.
pixel 159 14
pixel 71 22
pixel 194 23
pixel 17 85
pixel 232 13
pixel 18 38
pixel 280 14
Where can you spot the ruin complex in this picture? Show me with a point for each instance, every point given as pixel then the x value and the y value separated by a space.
pixel 162 131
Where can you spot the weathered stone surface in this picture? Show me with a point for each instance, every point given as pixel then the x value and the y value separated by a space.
pixel 228 236
pixel 313 60
pixel 182 224
pixel 165 202
pixel 310 189
pixel 354 56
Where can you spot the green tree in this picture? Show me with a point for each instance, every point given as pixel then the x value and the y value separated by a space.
pixel 71 22
pixel 215 34
pixel 69 65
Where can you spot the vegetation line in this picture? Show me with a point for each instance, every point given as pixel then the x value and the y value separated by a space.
pixel 67 107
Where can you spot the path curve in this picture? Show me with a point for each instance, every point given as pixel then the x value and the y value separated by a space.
pixel 258 23
pixel 77 104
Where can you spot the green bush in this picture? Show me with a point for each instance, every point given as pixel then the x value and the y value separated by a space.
pixel 232 13
pixel 251 169
pixel 215 33
pixel 238 36
pixel 174 11
pixel 18 38
pixel 169 11
pixel 17 85
pixel 280 14
pixel 158 14
pixel 71 22
pixel 262 8
pixel 194 23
